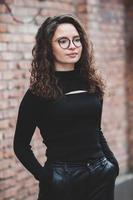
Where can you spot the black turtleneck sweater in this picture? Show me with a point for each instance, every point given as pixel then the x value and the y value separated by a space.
pixel 69 126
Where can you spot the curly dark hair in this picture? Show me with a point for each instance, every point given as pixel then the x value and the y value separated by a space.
pixel 43 81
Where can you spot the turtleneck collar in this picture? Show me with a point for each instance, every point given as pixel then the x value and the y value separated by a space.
pixel 65 71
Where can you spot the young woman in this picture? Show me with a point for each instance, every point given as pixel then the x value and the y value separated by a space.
pixel 64 100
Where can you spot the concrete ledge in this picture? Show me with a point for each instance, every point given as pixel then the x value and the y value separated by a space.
pixel 124 187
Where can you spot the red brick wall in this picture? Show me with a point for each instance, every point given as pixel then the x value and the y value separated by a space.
pixel 129 76
pixel 105 24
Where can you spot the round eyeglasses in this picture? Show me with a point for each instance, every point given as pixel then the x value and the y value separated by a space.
pixel 65 42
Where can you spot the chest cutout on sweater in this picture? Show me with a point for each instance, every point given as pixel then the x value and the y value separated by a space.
pixel 75 92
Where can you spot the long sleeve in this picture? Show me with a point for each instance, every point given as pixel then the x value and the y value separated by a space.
pixel 25 127
pixel 105 147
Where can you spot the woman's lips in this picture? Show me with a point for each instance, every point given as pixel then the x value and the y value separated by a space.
pixel 72 55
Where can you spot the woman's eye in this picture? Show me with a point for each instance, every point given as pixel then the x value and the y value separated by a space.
pixel 77 39
pixel 63 41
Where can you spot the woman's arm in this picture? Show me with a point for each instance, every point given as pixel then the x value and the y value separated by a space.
pixel 25 127
pixel 105 147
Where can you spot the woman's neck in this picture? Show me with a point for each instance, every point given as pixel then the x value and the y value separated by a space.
pixel 64 68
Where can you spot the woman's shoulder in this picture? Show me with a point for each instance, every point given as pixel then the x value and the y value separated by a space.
pixel 32 97
pixel 29 99
pixel 28 94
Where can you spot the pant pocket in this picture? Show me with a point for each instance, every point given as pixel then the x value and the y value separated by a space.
pixel 109 170
pixel 102 168
pixel 112 168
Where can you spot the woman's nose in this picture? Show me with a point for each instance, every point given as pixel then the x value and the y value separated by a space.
pixel 72 46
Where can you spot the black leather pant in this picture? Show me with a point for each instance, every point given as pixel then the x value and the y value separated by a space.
pixel 78 181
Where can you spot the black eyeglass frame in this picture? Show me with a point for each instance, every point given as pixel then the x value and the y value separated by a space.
pixel 69 42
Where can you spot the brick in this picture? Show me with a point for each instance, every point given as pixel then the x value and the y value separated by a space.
pixel 28 38
pixel 3 46
pixel 13 64
pixel 20 47
pixel 6 75
pixel 3 105
pixel 3 28
pixel 4 124
pixel 11 56
pixel 9 193
pixel 2 8
pixel 59 6
pixel 7 37
pixel 9 2
pixel 5 163
pixel 22 175
pixel 24 64
pixel 18 74
pixel 18 84
pixel 27 55
pixel 3 65
pixel 8 154
pixel 11 94
pixel 20 3
pixel 20 28
pixel 24 11
pixel 5 184
pixel 82 8
pixel 3 85
pixel 9 132
pixel 6 18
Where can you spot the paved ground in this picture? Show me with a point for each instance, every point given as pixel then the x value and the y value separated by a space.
pixel 124 187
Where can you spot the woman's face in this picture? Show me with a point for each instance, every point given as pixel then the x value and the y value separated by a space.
pixel 66 46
